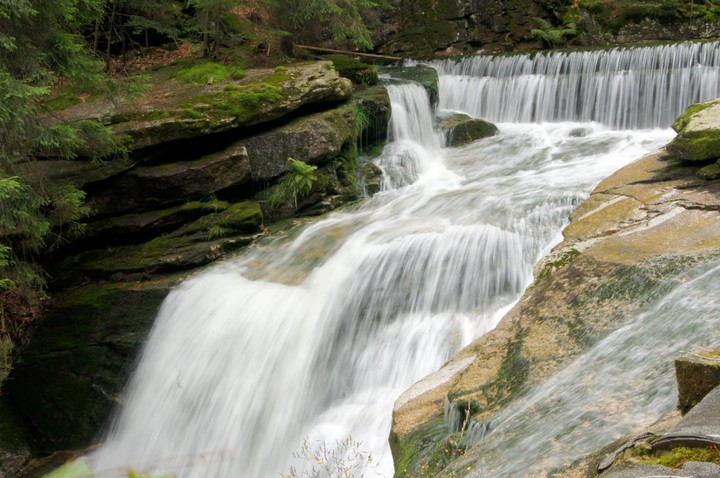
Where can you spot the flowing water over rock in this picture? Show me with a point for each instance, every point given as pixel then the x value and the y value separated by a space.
pixel 623 88
pixel 316 335
pixel 625 381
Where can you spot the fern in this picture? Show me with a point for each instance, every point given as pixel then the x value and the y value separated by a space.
pixel 551 36
pixel 297 182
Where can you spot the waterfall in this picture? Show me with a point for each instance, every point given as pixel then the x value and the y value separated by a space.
pixel 622 88
pixel 313 335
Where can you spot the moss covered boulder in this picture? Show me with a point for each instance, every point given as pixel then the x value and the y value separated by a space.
pixel 171 183
pixel 222 228
pixel 461 129
pixel 355 70
pixel 174 110
pixel 698 131
pixel 314 139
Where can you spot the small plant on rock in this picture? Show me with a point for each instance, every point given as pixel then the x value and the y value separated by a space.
pixel 551 36
pixel 297 182
pixel 346 459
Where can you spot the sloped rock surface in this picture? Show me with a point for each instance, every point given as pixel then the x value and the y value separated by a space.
pixel 652 218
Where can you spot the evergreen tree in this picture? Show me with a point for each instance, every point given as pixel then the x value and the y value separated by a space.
pixel 344 19
pixel 40 46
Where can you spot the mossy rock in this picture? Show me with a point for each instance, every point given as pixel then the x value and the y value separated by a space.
pixel 75 172
pixel 67 382
pixel 697 375
pixel 135 226
pixel 375 103
pixel 425 76
pixel 152 187
pixel 193 111
pixel 460 129
pixel 710 172
pixel 698 130
pixel 192 245
pixel 355 70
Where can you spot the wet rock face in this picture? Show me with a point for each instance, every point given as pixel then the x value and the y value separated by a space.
pixel 451 28
pixel 69 379
pixel 429 28
pixel 461 129
pixel 697 374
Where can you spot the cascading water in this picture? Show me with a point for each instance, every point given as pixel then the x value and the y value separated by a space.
pixel 622 383
pixel 315 336
pixel 622 88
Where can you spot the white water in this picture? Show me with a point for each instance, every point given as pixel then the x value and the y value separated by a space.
pixel 622 88
pixel 624 382
pixel 317 334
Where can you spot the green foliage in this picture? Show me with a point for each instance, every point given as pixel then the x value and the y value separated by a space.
pixel 297 182
pixel 614 14
pixel 41 46
pixel 345 19
pixel 551 36
pixel 217 25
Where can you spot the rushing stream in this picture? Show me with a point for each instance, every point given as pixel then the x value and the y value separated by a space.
pixel 315 335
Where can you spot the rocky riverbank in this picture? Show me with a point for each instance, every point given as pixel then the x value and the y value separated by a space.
pixel 645 224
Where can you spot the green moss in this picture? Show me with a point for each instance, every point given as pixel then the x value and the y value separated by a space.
pixel 682 121
pixel 75 469
pixel 709 172
pixel 63 102
pixel 357 71
pixel 414 451
pixel 509 381
pixel 552 267
pixel 696 145
pixel 192 113
pixel 244 103
pixel 676 457
pixel 155 115
pixel 202 73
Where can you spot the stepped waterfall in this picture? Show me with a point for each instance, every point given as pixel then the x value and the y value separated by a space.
pixel 312 335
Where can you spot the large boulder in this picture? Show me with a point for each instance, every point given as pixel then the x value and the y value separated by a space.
pixel 222 228
pixel 170 183
pixel 314 139
pixel 181 111
pixel 698 131
pixel 461 129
